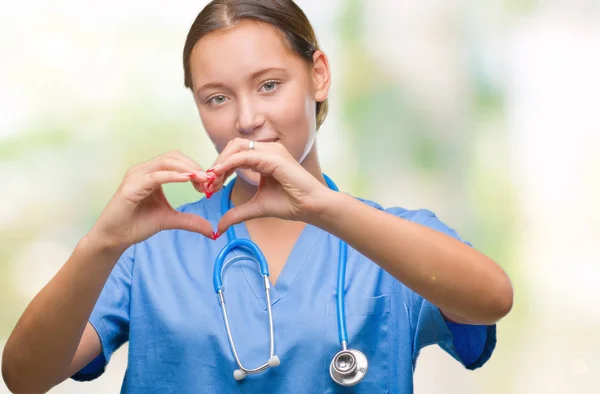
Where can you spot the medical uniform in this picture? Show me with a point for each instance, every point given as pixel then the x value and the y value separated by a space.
pixel 160 297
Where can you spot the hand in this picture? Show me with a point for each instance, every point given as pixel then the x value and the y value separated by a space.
pixel 286 190
pixel 139 208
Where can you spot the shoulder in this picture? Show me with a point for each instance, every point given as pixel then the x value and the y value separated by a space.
pixel 421 215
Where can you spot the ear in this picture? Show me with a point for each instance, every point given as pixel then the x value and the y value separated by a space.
pixel 321 76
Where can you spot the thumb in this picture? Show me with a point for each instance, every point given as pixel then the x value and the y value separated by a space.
pixel 243 212
pixel 189 222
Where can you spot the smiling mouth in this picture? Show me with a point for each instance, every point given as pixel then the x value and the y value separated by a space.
pixel 268 140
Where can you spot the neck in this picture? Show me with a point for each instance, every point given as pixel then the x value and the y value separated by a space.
pixel 244 191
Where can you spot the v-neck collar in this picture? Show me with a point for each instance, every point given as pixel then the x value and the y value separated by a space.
pixel 299 254
pixel 296 259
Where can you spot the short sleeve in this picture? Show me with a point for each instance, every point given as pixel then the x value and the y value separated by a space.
pixel 110 316
pixel 471 345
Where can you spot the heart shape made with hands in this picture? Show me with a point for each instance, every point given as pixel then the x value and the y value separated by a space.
pixel 208 192
pixel 286 190
pixel 216 181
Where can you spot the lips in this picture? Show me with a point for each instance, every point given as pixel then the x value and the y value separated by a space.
pixel 275 139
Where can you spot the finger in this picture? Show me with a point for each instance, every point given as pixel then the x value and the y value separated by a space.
pixel 144 185
pixel 185 158
pixel 201 183
pixel 218 182
pixel 264 163
pixel 152 164
pixel 233 146
pixel 176 164
pixel 177 161
pixel 238 214
pixel 174 161
pixel 188 160
pixel 189 222
pixel 159 178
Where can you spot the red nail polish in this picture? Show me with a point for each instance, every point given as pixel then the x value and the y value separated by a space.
pixel 208 194
pixel 215 169
pixel 215 235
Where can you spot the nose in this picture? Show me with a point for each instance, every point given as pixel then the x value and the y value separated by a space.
pixel 250 117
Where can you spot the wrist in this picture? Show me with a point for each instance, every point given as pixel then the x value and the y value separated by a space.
pixel 99 243
pixel 328 210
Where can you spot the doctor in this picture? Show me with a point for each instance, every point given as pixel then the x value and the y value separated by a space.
pixel 146 273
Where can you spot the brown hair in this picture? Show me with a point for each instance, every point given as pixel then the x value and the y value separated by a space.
pixel 284 15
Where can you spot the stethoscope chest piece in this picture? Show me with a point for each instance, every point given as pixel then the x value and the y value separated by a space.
pixel 348 367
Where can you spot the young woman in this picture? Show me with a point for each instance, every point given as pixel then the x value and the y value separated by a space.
pixel 144 273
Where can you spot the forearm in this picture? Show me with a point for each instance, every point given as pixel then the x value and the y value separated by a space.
pixel 46 336
pixel 465 284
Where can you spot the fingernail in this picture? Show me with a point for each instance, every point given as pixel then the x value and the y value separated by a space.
pixel 215 235
pixel 215 169
pixel 208 194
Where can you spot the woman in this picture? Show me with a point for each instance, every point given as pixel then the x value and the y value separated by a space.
pixel 143 274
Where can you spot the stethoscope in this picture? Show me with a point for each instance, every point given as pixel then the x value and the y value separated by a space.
pixel 348 366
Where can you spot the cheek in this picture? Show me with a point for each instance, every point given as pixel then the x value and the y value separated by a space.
pixel 293 115
pixel 300 125
pixel 296 109
pixel 217 126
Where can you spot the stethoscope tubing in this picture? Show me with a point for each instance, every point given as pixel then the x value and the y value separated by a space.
pixel 342 375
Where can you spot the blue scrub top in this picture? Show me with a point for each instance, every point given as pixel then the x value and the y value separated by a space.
pixel 160 298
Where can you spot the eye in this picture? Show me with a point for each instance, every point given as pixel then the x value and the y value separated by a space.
pixel 269 86
pixel 217 100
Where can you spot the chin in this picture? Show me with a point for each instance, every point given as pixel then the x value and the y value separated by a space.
pixel 249 176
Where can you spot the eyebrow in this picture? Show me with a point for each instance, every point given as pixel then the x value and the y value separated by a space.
pixel 264 71
pixel 253 76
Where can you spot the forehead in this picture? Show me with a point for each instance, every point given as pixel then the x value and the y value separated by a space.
pixel 239 51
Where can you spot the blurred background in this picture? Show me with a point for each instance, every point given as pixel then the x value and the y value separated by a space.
pixel 485 112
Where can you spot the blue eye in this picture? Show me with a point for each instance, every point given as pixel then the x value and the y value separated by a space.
pixel 269 86
pixel 218 99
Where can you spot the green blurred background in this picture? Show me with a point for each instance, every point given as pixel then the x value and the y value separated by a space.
pixel 485 112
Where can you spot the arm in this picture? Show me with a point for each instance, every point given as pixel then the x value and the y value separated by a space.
pixel 466 285
pixel 44 348
pixel 53 340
